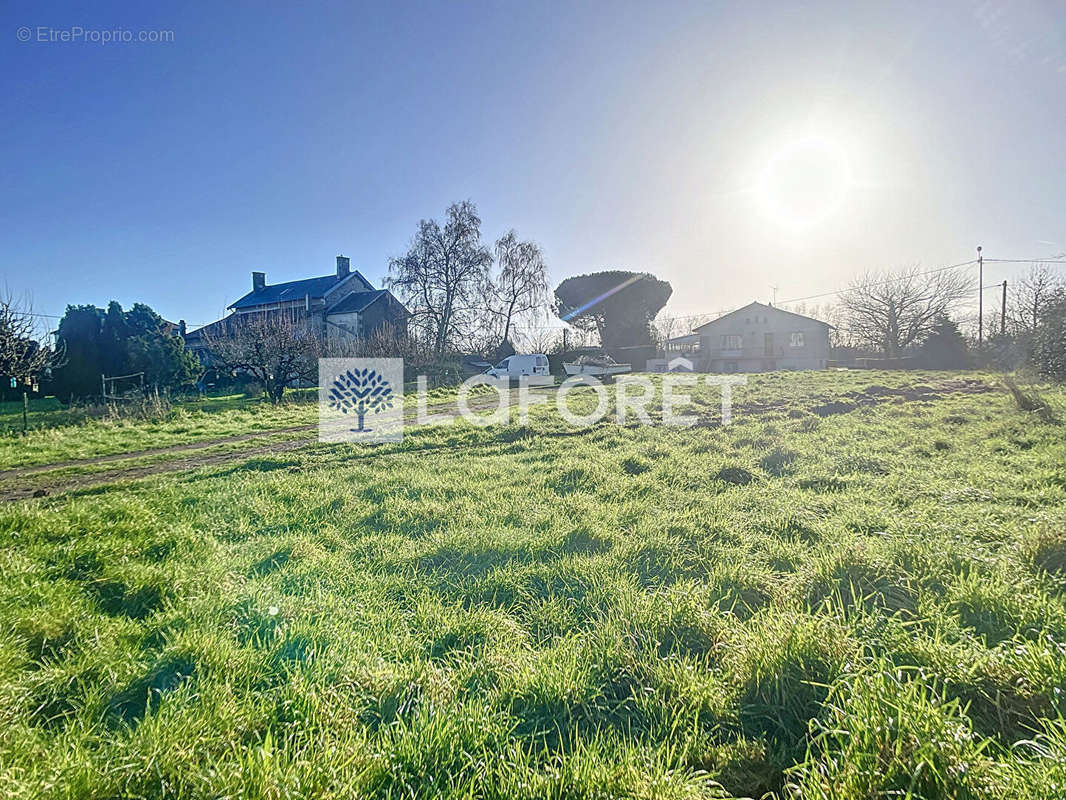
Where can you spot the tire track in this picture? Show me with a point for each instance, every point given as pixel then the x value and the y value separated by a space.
pixel 46 487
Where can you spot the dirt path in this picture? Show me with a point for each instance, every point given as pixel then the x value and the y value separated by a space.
pixel 19 472
pixel 14 487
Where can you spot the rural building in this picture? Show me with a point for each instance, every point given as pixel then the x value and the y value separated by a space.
pixel 344 304
pixel 761 338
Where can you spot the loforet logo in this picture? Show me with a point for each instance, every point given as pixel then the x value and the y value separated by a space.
pixel 360 392
pixel 360 399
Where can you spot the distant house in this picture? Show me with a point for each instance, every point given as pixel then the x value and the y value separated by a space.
pixel 341 305
pixel 761 338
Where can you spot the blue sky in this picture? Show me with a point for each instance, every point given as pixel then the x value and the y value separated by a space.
pixel 653 136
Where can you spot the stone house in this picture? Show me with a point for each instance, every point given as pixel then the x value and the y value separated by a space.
pixel 341 305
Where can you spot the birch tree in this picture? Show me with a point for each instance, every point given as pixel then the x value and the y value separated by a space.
pixel 520 288
pixel 443 278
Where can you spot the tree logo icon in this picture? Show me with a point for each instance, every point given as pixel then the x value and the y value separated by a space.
pixel 360 392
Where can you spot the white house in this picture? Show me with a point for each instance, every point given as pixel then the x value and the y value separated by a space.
pixel 761 338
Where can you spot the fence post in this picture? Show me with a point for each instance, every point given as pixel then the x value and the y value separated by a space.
pixel 25 409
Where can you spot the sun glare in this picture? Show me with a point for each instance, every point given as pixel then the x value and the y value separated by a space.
pixel 805 182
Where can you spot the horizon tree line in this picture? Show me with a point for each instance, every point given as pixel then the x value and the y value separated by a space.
pixel 465 296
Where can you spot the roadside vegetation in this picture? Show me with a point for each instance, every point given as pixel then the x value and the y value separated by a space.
pixel 853 591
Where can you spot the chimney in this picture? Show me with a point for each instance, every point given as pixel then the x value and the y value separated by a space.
pixel 259 281
pixel 344 267
pixel 181 327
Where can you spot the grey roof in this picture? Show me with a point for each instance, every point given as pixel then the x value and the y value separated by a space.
pixel 292 290
pixel 761 307
pixel 217 328
pixel 356 301
pixel 688 338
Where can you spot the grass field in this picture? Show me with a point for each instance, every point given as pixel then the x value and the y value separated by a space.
pixel 58 433
pixel 855 591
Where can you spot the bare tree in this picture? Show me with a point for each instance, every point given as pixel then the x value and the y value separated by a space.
pixel 273 348
pixel 521 287
pixel 545 340
pixel 835 315
pixel 666 328
pixel 892 311
pixel 443 276
pixel 385 341
pixel 22 355
pixel 1031 295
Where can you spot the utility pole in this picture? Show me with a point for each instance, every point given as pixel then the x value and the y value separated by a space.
pixel 1003 312
pixel 980 297
pixel 565 331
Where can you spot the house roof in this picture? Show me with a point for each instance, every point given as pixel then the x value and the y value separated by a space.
pixel 360 301
pixel 356 301
pixel 218 327
pixel 293 290
pixel 761 307
pixel 688 338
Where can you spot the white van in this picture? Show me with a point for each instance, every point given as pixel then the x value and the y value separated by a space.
pixel 516 366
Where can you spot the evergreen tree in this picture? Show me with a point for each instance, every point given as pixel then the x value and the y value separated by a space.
pixel 80 333
pixel 1049 351
pixel 118 342
pixel 945 347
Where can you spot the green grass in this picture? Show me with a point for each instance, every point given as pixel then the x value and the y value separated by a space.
pixel 60 434
pixel 843 605
pixel 57 433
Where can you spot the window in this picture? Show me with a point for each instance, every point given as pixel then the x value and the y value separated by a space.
pixel 732 341
pixel 542 361
pixel 502 364
pixel 796 339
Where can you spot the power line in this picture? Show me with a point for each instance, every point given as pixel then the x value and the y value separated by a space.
pixel 949 267
pixel 893 280
pixel 833 293
pixel 1055 260
pixel 882 283
pixel 38 314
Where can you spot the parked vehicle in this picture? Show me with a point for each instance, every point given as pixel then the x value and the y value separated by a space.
pixel 516 366
pixel 596 366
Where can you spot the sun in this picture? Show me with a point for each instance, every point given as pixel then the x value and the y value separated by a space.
pixel 805 182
